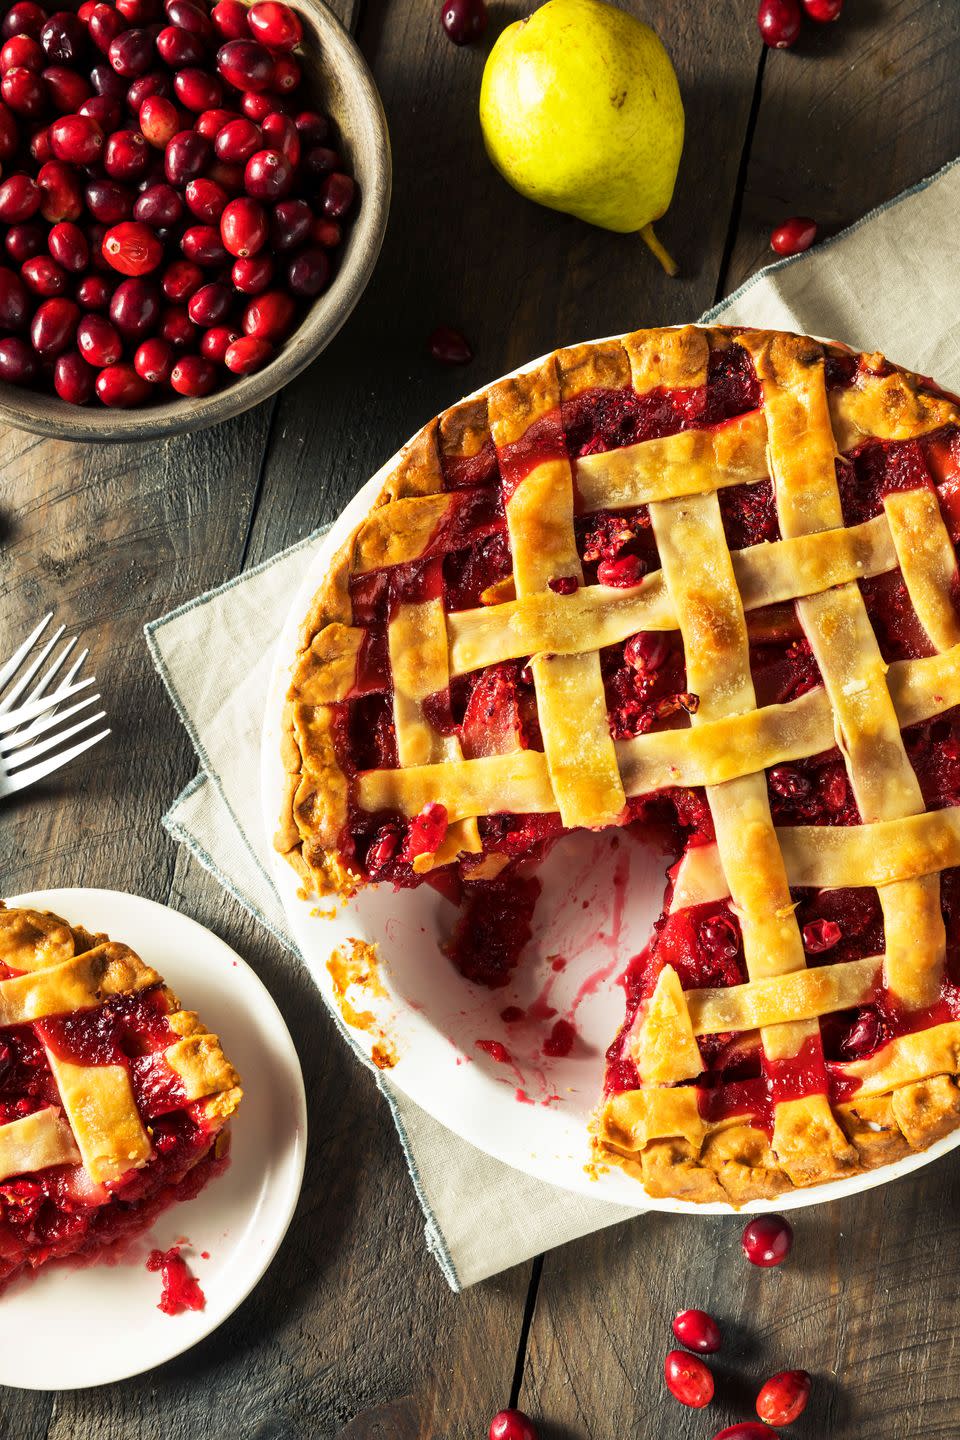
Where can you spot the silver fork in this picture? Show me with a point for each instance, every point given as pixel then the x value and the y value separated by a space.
pixel 31 737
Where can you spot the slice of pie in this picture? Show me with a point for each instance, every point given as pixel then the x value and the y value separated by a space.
pixel 704 579
pixel 113 1099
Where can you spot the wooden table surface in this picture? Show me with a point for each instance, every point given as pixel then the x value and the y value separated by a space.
pixel 353 1332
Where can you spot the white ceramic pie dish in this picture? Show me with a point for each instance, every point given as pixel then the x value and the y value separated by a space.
pixel 100 1322
pixel 435 1018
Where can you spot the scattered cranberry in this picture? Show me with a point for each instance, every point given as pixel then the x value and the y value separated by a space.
pixel 463 20
pixel 821 935
pixel 767 1240
pixel 779 22
pixel 512 1425
pixel 625 570
pixel 784 1397
pixel 793 236
pixel 746 1430
pixel 823 11
pixel 697 1331
pixel 688 1379
pixel 449 346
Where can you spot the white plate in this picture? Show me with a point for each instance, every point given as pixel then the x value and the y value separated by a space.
pixel 101 1323
pixel 436 1018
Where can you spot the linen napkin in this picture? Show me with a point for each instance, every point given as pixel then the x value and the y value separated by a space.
pixel 887 283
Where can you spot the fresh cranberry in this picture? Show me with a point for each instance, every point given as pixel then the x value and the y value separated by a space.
pixel 449 346
pixel 24 18
pixel 688 1379
pixel 246 65
pixel 64 39
pixel 44 276
pixel 24 92
pixel 268 175
pixel 202 244
pixel 104 109
pixel 256 106
pixel 24 241
pixel 135 308
pixel 21 50
pixel 132 53
pixel 779 22
pixel 106 81
pixel 104 25
pixel 621 572
pixel 238 140
pixel 228 177
pixel 210 305
pixel 186 156
pixel 217 341
pixel 93 293
pixel 53 326
pixel 290 225
pixel 159 121
pixel 14 302
pixel 280 133
pixel 326 233
pixel 193 375
pixel 251 276
pixel 76 139
pixel 9 134
pixel 697 1331
pixel 154 84
pixel 127 155
pixel 275 25
pixel 209 123
pixel 68 246
pixel 230 19
pixel 269 316
pixel 821 935
pixel 823 11
pixel 784 1397
pixel 179 48
pixel 313 128
pixel 512 1425
pixel 286 75
pixel 767 1240
pixel 108 202
pixel 243 227
pixel 40 147
pixel 646 651
pixel 139 12
pixel 246 355
pixel 160 206
pixel 746 1430
pixel 66 89
pixel 308 274
pixel 181 280
pixel 463 20
pixel 793 236
pixel 61 196
pixel 154 361
pixel 18 363
pixel 177 327
pixel 121 388
pixel 188 16
pixel 205 199
pixel 132 248
pixel 98 341
pixel 19 199
pixel 197 91
pixel 336 195
pixel 73 379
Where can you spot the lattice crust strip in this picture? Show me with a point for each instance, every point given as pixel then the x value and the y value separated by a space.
pixel 97 1123
pixel 797 440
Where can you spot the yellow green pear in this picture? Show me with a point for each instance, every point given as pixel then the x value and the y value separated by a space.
pixel 581 111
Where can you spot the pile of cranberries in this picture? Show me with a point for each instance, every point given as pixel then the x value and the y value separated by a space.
pixel 780 20
pixel 168 208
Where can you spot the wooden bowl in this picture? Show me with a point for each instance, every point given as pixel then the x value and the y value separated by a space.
pixel 338 82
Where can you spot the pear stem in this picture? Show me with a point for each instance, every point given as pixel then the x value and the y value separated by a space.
pixel 664 256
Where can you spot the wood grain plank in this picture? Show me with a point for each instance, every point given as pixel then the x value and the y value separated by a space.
pixel 854 114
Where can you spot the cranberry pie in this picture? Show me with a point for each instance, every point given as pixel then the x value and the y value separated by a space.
pixel 700 583
pixel 113 1099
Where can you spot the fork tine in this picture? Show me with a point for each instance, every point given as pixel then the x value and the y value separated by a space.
pixel 43 684
pixel 7 702
pixel 33 752
pixel 42 723
pixel 10 668
pixel 23 778
pixel 15 718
